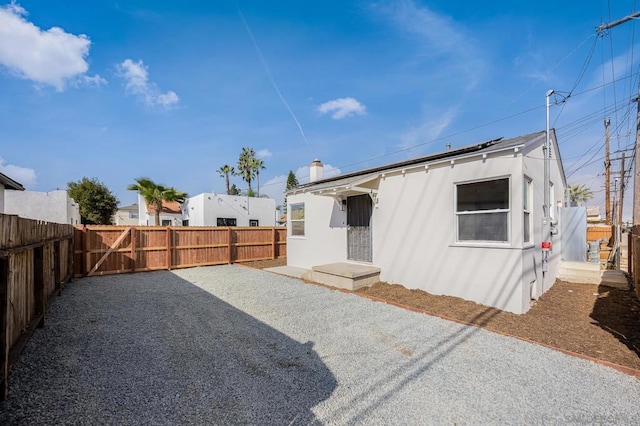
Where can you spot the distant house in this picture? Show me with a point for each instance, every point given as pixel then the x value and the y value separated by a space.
pixel 210 209
pixel 593 214
pixel 54 206
pixel 464 222
pixel 7 183
pixel 170 215
pixel 127 215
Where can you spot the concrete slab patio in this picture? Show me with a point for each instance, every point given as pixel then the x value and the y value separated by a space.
pixel 233 345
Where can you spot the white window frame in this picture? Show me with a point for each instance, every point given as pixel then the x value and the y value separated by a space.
pixel 527 202
pixel 457 214
pixel 292 220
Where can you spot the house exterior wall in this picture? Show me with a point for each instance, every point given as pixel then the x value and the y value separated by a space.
pixel 1 198
pixel 414 233
pixel 54 206
pixel 204 209
pixel 122 217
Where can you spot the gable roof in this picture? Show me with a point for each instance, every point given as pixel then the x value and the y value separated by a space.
pixel 10 183
pixel 172 207
pixel 132 207
pixel 365 175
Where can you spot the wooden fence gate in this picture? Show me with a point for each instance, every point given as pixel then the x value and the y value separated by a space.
pixel 101 250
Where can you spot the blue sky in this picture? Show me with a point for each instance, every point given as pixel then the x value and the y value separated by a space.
pixel 174 90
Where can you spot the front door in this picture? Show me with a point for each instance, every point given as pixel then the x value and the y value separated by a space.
pixel 359 210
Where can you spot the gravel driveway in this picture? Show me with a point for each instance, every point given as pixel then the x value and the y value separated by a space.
pixel 228 344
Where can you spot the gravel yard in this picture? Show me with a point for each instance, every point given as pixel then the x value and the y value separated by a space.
pixel 229 344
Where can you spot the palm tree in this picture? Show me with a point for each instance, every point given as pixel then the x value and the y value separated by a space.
pixel 246 166
pixel 579 194
pixel 226 171
pixel 257 165
pixel 154 194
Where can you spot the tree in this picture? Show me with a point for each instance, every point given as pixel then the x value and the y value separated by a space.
pixel 234 190
pixel 292 182
pixel 579 194
pixel 246 166
pixel 258 164
pixel 154 194
pixel 226 171
pixel 96 202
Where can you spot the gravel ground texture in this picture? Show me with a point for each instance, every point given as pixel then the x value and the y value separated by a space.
pixel 234 345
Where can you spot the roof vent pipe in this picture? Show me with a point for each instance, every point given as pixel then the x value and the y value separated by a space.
pixel 448 146
pixel 316 171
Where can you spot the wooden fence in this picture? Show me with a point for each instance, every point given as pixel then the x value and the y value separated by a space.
pixel 101 250
pixel 35 262
pixel 599 232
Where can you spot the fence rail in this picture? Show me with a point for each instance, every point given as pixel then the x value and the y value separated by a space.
pixel 101 250
pixel 35 261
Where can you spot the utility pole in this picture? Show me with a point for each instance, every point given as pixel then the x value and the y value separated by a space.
pixel 607 174
pixel 635 241
pixel 622 188
pixel 636 177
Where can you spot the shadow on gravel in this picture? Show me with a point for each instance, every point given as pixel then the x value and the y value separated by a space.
pixel 152 348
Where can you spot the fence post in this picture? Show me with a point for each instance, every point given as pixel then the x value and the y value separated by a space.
pixel 133 249
pixel 168 247
pixel 86 266
pixel 273 242
pixel 39 294
pixel 5 333
pixel 229 245
pixel 71 249
pixel 56 265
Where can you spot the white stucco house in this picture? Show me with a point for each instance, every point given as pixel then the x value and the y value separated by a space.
pixel 170 215
pixel 54 206
pixel 465 222
pixel 6 183
pixel 211 209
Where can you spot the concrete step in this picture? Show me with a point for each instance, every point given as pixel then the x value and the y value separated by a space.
pixel 590 273
pixel 349 276
pixel 580 272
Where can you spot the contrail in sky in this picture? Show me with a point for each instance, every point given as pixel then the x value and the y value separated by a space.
pixel 271 79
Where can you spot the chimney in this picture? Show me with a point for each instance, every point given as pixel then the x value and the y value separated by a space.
pixel 316 171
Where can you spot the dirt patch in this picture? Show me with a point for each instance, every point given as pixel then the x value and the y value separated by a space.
pixel 599 322
pixel 262 264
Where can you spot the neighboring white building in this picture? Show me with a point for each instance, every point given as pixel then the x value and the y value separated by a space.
pixel 6 183
pixel 210 209
pixel 465 222
pixel 171 214
pixel 55 206
pixel 127 215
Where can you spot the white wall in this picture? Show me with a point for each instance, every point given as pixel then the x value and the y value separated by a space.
pixel 54 206
pixel 204 209
pixel 1 198
pixel 414 233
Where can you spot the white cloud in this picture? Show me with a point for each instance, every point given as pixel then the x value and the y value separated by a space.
pixel 27 177
pixel 137 77
pixel 263 153
pixel 274 187
pixel 53 57
pixel 342 107
pixel 429 130
pixel 441 35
